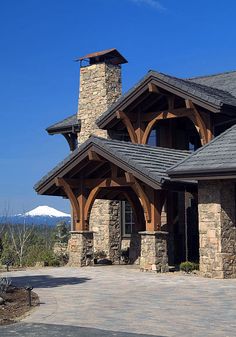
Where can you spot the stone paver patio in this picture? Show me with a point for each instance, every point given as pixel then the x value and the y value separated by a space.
pixel 123 299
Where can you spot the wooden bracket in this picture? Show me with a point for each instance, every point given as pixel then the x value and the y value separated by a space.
pixel 126 121
pixel 60 182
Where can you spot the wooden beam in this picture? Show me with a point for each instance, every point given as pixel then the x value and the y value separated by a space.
pixel 114 171
pixel 92 155
pixel 199 123
pixel 125 119
pixel 149 116
pixel 60 182
pixel 138 189
pixel 153 88
pixel 176 113
pixel 171 102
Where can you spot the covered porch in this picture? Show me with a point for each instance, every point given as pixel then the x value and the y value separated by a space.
pixel 108 172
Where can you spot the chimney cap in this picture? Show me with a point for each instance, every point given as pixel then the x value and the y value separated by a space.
pixel 111 56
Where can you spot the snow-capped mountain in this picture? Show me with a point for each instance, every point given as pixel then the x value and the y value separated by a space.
pixel 41 215
pixel 46 211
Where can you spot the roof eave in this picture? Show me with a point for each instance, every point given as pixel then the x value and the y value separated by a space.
pixel 220 173
pixel 61 130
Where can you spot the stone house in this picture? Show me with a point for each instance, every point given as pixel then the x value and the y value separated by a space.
pixel 131 178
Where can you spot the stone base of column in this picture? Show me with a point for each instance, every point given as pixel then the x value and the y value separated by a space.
pixel 154 251
pixel 80 247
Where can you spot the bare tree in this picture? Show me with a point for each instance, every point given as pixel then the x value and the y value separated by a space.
pixel 20 236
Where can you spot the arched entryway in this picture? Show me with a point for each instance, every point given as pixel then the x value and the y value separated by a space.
pixel 111 171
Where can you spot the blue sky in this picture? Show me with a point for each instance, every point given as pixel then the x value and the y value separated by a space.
pixel 39 80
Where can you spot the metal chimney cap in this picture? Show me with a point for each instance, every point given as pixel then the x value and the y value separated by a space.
pixel 111 56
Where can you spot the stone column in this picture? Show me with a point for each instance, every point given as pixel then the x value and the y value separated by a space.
pixel 217 231
pixel 154 251
pixel 80 247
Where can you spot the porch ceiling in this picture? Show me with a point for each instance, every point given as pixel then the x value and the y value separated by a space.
pixel 146 163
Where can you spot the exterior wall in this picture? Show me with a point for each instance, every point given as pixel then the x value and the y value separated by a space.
pixel 100 87
pixel 216 207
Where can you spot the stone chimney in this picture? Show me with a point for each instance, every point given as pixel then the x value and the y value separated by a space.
pixel 100 87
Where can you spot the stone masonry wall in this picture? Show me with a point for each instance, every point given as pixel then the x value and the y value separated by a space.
pixel 154 251
pixel 80 247
pixel 216 208
pixel 100 87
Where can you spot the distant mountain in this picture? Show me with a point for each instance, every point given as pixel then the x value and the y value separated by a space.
pixel 46 211
pixel 41 215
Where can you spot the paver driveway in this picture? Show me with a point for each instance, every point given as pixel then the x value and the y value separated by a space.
pixel 123 299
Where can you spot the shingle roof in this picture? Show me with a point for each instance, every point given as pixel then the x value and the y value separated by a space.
pixel 68 124
pixel 216 157
pixel 148 161
pixel 224 81
pixel 212 96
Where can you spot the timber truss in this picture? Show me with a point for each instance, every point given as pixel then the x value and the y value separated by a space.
pixel 97 171
pixel 154 100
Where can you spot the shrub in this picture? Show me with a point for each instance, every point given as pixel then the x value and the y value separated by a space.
pixel 188 266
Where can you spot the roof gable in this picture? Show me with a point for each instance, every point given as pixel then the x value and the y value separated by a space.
pixel 212 98
pixel 147 163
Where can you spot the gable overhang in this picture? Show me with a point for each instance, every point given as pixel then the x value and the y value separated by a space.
pixel 47 185
pixel 126 100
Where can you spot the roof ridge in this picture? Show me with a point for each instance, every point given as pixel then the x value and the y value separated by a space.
pixel 211 75
pixel 202 148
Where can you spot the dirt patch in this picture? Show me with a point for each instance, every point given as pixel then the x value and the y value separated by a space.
pixel 16 305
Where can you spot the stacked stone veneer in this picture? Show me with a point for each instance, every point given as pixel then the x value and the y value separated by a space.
pixel 154 251
pixel 80 247
pixel 216 207
pixel 100 87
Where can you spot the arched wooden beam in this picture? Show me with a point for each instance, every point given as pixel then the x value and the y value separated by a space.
pixel 160 116
pixel 141 194
pixel 191 113
pixel 60 182
pixel 199 122
pixel 126 121
pixel 90 200
pixel 71 139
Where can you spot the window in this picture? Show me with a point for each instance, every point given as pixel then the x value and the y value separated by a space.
pixel 127 218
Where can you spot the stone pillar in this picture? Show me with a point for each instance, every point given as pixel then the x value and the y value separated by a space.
pixel 80 247
pixel 216 208
pixel 154 251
